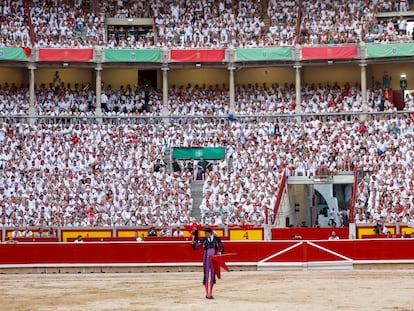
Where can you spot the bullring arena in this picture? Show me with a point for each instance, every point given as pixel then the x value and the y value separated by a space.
pixel 285 126
pixel 371 289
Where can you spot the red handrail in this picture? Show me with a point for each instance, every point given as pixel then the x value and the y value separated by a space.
pixel 299 23
pixel 29 20
pixel 278 199
pixel 353 198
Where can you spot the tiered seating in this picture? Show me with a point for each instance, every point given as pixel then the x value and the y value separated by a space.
pixel 331 22
pixel 13 100
pixel 89 173
pixel 14 27
pixel 199 24
pixel 283 17
pixel 66 25
pixel 386 192
pixel 198 100
pixel 63 99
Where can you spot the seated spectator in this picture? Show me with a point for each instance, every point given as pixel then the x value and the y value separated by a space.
pixel 40 233
pixel 333 236
pixel 152 232
pixel 178 233
pixel 79 239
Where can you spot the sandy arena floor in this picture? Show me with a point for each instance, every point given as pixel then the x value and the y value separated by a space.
pixel 360 290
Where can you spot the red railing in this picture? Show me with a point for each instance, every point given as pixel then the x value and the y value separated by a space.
pixel 353 198
pixel 299 23
pixel 29 21
pixel 278 200
pixel 96 7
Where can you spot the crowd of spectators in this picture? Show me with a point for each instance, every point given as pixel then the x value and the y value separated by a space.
pixel 386 190
pixel 115 173
pixel 388 30
pixel 88 174
pixel 283 20
pixel 210 24
pixel 14 27
pixel 201 24
pixel 331 22
pixel 80 100
pixel 198 100
pixel 64 101
pixel 352 22
pixel 393 5
pixel 132 9
pixel 60 99
pixel 14 100
pixel 66 24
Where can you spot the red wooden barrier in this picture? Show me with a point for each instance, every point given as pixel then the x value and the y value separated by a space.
pixel 164 253
pixel 308 233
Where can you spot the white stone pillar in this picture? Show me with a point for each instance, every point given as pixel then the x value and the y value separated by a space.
pixel 165 91
pixel 363 66
pixel 232 94
pixel 32 69
pixel 298 87
pixel 98 89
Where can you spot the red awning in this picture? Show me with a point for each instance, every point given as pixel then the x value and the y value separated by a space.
pixel 329 52
pixel 198 55
pixel 73 55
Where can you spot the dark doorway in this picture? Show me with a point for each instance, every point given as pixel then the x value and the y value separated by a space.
pixel 398 97
pixel 147 78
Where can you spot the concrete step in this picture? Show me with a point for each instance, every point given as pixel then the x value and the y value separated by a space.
pixel 197 196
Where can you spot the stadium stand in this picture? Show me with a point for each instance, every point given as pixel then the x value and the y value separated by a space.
pixel 113 171
pixel 198 24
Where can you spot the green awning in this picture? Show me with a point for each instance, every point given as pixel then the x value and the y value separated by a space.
pixel 390 50
pixel 12 54
pixel 209 153
pixel 263 54
pixel 122 55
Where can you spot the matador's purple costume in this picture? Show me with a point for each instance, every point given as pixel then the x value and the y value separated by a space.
pixel 212 246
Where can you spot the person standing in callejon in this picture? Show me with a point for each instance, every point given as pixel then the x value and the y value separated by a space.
pixel 212 246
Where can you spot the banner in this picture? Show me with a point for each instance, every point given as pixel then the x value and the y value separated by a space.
pixel 198 55
pixel 197 153
pixel 122 55
pixel 390 50
pixel 73 234
pixel 329 52
pixel 246 234
pixel 12 54
pixel 72 55
pixel 258 54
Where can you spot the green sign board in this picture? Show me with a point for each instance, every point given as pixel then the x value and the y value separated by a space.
pixel 197 153
pixel 263 54
pixel 390 50
pixel 122 55
pixel 12 54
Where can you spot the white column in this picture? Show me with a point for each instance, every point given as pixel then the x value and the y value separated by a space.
pixel 32 69
pixel 165 91
pixel 98 90
pixel 363 66
pixel 231 89
pixel 298 88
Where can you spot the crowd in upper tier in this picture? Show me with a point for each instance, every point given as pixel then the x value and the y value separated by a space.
pixel 199 24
